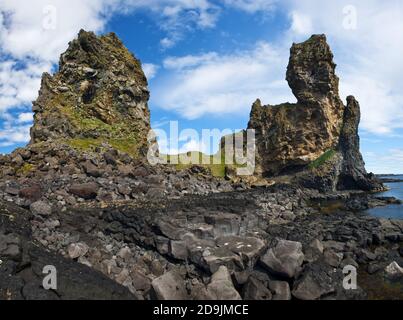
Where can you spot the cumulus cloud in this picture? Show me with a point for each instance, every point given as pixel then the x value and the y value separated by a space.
pixel 15 129
pixel 223 84
pixel 301 24
pixel 25 117
pixel 20 85
pixel 150 70
pixel 15 135
pixel 189 61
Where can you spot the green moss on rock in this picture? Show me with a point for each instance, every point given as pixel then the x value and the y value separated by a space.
pixel 322 159
pixel 26 168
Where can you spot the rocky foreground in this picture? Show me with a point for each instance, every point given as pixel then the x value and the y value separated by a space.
pixel 82 197
pixel 265 243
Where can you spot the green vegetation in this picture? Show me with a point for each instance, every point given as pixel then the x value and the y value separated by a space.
pixel 84 144
pixel 128 146
pixel 214 163
pixel 26 168
pixel 119 135
pixel 322 159
pixel 198 158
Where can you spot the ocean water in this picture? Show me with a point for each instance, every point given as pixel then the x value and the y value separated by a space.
pixel 391 211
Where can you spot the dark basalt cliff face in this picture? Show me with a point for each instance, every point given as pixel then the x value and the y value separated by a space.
pixel 315 139
pixel 353 174
pixel 98 96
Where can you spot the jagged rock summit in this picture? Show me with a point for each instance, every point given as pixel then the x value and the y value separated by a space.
pixel 315 139
pixel 98 96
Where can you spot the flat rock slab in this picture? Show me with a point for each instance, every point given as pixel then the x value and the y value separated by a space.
pixel 248 248
pixel 216 257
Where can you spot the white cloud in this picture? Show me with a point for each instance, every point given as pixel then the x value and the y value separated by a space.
pixel 25 117
pixel 14 134
pixel 167 43
pixel 150 70
pixel 175 17
pixel 189 61
pixel 227 84
pixel 301 24
pixel 37 32
pixel 252 6
pixel 19 86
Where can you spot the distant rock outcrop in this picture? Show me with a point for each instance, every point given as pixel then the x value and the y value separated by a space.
pixel 98 96
pixel 318 135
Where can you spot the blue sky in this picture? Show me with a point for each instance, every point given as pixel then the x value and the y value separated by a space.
pixel 208 60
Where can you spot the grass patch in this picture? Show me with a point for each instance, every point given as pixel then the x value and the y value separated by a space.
pixel 84 144
pixel 322 159
pixel 212 162
pixel 128 146
pixel 196 158
pixel 215 163
pixel 89 144
pixel 26 168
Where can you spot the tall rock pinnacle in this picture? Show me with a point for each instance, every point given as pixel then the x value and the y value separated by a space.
pixel 98 96
pixel 318 135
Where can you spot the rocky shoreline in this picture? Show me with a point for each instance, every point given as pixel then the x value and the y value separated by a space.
pixel 220 246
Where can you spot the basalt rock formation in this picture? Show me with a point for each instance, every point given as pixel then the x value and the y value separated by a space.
pixel 315 139
pixel 353 173
pixel 98 96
